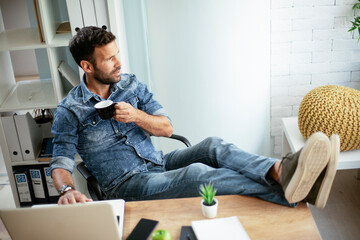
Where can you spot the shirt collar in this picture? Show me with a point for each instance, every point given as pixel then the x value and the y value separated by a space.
pixel 87 94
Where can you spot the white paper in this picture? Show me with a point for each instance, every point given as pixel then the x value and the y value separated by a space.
pixel 228 228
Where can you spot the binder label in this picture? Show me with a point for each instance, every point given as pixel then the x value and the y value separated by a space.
pixel 37 183
pixel 23 187
pixel 49 182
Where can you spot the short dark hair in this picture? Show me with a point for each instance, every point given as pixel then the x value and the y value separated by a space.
pixel 83 44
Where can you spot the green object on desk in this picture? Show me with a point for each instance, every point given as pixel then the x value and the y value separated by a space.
pixel 161 235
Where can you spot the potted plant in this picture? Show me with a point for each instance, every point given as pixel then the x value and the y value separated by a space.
pixel 209 203
pixel 356 22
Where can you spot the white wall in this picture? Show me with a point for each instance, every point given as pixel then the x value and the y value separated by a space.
pixel 310 47
pixel 209 66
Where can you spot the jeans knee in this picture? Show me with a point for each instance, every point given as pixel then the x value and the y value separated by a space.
pixel 213 141
pixel 197 169
pixel 216 147
pixel 198 173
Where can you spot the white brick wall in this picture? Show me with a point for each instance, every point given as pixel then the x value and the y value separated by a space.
pixel 310 47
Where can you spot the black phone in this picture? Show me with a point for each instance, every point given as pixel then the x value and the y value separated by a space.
pixel 143 229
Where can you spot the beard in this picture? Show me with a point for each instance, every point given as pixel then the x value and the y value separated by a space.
pixel 106 78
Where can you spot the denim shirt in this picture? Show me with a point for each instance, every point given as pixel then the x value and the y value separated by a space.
pixel 113 151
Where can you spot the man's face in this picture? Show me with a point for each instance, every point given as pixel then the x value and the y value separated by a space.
pixel 108 65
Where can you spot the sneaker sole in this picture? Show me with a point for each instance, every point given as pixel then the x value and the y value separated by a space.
pixel 330 173
pixel 312 160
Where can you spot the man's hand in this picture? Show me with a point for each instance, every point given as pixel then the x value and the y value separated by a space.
pixel 125 112
pixel 73 196
pixel 156 125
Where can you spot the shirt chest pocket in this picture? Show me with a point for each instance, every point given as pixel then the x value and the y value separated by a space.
pixel 93 129
pixel 133 100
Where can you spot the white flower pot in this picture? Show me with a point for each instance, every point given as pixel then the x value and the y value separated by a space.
pixel 209 211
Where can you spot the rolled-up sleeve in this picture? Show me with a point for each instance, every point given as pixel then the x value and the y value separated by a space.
pixel 147 103
pixel 65 139
pixel 62 162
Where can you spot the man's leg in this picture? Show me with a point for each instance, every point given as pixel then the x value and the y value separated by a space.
pixel 185 182
pixel 245 174
pixel 217 153
pixel 296 173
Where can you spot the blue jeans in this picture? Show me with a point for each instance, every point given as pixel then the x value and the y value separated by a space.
pixel 233 171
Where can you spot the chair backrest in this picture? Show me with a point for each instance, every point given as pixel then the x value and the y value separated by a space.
pixel 93 186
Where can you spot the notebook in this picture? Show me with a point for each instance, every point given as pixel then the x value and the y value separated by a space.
pixel 228 228
pixel 93 220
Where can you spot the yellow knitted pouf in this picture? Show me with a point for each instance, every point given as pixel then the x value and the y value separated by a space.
pixel 332 110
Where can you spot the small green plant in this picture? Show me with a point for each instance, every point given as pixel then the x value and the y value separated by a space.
pixel 356 22
pixel 208 192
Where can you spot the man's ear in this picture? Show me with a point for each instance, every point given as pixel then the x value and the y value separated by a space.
pixel 87 66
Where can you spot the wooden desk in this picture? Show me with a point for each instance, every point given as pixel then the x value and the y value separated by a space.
pixel 294 141
pixel 261 219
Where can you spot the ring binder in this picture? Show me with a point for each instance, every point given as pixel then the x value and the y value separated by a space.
pixel 12 138
pixel 40 192
pixel 52 192
pixel 23 185
pixel 30 136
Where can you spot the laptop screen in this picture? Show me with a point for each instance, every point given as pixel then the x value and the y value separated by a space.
pixel 93 220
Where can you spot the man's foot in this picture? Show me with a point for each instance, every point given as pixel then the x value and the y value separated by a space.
pixel 300 170
pixel 319 193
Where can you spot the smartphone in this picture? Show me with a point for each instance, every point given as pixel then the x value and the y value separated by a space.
pixel 143 229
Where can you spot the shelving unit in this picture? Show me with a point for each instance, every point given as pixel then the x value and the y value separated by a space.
pixel 43 93
pixel 46 92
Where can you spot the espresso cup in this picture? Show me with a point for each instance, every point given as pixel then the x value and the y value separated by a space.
pixel 106 109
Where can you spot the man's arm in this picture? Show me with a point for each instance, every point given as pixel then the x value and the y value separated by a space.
pixel 62 177
pixel 155 125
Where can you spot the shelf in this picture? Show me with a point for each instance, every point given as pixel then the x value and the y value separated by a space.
pixel 30 94
pixel 35 162
pixel 20 39
pixel 60 40
pixel 26 163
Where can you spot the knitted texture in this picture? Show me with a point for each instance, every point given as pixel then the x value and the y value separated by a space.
pixel 332 110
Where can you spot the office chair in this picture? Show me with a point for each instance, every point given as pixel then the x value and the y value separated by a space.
pixel 92 184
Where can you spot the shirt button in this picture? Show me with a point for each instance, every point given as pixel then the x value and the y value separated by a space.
pixel 127 142
pixel 139 155
pixel 116 131
pixel 93 122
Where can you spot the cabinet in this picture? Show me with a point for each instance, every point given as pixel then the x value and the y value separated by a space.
pixel 45 92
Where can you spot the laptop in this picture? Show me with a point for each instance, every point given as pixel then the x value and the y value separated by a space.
pixel 93 220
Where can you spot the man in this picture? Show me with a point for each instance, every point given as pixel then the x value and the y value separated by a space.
pixel 120 155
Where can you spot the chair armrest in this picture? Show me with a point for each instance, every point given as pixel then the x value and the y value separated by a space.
pixel 182 139
pixel 83 170
pixel 92 184
pixel 96 193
